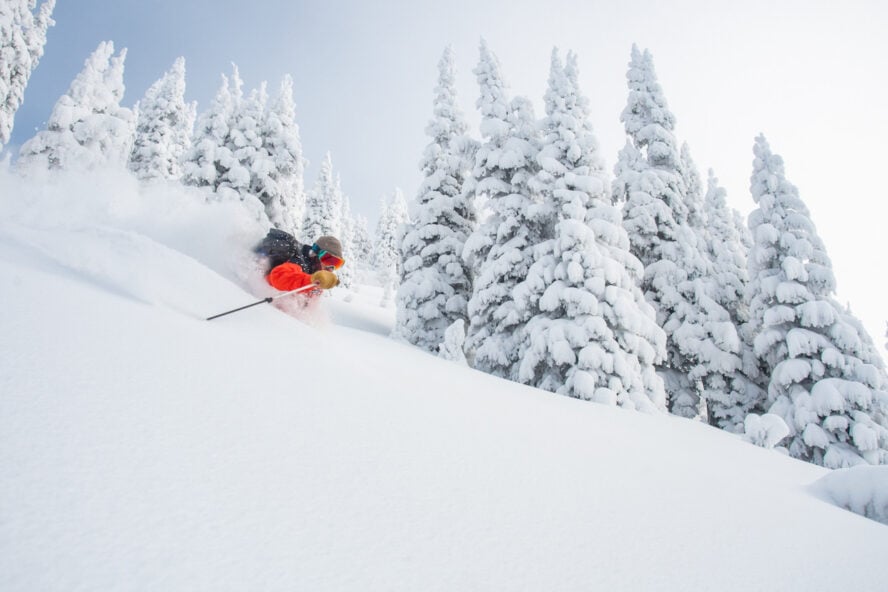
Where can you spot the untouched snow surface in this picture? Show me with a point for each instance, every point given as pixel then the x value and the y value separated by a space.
pixel 143 448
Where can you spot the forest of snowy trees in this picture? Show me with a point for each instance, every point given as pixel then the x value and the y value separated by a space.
pixel 526 259
pixel 521 254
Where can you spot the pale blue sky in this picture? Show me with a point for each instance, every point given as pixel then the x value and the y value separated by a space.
pixel 810 74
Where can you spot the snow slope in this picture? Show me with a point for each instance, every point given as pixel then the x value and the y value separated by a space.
pixel 143 448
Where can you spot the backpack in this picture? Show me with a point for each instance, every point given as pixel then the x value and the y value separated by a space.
pixel 279 247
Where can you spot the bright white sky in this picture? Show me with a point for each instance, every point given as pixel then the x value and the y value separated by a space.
pixel 808 73
pixel 144 448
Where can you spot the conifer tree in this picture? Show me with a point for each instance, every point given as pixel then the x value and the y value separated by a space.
pixel 730 395
pixel 713 342
pixel 323 205
pixel 267 164
pixel 163 128
pixel 652 183
pixel 227 149
pixel 209 159
pixel 453 346
pixel 489 180
pixel 499 248
pixel 251 179
pixel 87 128
pixel 362 244
pixel 348 272
pixel 823 374
pixel 282 188
pixel 436 284
pixel 22 39
pixel 594 336
pixel 516 223
pixel 693 196
pixel 389 233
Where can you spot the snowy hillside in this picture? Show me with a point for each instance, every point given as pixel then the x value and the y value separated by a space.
pixel 144 448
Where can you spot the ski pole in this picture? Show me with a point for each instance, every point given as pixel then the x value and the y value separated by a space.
pixel 263 301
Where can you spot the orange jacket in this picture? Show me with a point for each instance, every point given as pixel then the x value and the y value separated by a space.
pixel 289 276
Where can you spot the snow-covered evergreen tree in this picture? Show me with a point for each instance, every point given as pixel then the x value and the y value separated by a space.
pixel 510 221
pixel 323 205
pixel 389 233
pixel 207 162
pixel 453 346
pixel 87 128
pixel 22 38
pixel 227 155
pixel 248 147
pixel 488 180
pixel 257 151
pixel 825 377
pixel 163 128
pixel 713 341
pixel 693 196
pixel 499 248
pixel 348 272
pixel 282 189
pixel 652 182
pixel 436 284
pixel 516 222
pixel 764 430
pixel 726 249
pixel 594 336
pixel 729 395
pixel 361 243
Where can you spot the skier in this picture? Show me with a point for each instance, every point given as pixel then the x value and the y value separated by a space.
pixel 293 265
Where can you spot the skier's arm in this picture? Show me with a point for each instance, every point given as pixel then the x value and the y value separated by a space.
pixel 288 276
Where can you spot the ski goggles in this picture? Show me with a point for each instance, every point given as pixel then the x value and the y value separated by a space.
pixel 327 258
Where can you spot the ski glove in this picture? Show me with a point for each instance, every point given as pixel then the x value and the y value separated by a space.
pixel 325 279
